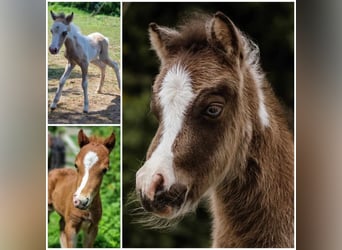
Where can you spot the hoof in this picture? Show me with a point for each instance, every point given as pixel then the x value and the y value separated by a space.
pixel 85 111
pixel 53 106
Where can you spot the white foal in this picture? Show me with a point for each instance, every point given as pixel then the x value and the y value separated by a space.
pixel 80 50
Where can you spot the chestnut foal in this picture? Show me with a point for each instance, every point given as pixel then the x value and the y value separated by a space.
pixel 75 194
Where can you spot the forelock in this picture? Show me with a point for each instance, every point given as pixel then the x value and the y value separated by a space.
pixel 192 33
pixel 60 16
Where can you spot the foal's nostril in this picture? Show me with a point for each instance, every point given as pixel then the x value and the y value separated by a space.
pixel 158 179
pixel 81 203
pixel 157 184
pixel 76 202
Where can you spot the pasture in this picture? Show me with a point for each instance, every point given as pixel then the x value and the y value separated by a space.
pixel 109 227
pixel 103 108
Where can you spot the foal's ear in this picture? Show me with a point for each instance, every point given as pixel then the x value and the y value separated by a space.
pixel 53 15
pixel 82 138
pixel 160 38
pixel 224 35
pixel 110 142
pixel 69 18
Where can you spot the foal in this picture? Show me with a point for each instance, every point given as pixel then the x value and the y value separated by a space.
pixel 222 134
pixel 80 50
pixel 75 195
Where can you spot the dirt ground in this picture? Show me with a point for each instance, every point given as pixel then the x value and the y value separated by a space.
pixel 103 108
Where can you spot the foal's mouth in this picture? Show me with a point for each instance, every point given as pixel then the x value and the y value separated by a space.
pixel 165 203
pixel 82 207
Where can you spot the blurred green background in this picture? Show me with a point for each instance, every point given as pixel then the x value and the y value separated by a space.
pixel 109 227
pixel 270 25
pixel 95 8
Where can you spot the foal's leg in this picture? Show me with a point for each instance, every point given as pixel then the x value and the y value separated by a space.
pixel 84 69
pixel 68 236
pixel 62 235
pixel 102 67
pixel 68 68
pixel 115 66
pixel 89 236
pixel 104 57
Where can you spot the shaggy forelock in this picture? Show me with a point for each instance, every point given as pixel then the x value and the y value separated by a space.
pixel 60 15
pixel 192 33
pixel 193 36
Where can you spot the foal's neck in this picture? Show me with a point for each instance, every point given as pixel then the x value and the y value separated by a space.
pixel 73 37
pixel 72 44
pixel 254 208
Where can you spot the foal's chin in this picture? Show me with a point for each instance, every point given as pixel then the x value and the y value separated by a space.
pixel 82 207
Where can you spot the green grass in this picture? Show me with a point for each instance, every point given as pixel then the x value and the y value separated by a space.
pixel 109 227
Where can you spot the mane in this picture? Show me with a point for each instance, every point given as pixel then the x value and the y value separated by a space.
pixel 75 29
pixel 193 36
pixel 252 54
pixel 192 33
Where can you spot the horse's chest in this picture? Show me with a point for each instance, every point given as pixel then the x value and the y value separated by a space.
pixel 76 53
pixel 74 57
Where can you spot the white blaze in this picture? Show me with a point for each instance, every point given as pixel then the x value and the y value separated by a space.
pixel 89 161
pixel 175 96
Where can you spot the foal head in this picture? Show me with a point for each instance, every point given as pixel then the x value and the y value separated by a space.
pixel 205 99
pixel 92 162
pixel 59 30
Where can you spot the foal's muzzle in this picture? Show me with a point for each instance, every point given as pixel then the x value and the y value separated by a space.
pixel 53 50
pixel 81 203
pixel 165 203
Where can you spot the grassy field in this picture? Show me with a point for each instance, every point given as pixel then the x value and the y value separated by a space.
pixel 103 108
pixel 109 227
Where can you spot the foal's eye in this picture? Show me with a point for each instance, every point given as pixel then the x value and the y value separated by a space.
pixel 213 110
pixel 76 166
pixel 64 33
